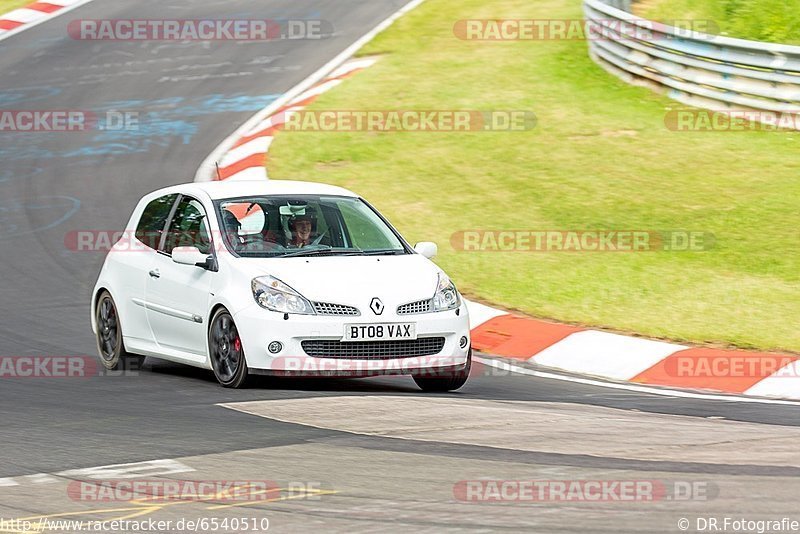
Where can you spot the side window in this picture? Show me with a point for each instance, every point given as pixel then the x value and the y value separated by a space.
pixel 154 217
pixel 188 228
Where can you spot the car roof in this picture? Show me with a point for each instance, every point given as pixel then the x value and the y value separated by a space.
pixel 242 188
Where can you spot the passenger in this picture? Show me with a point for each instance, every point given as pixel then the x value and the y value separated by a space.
pixel 231 229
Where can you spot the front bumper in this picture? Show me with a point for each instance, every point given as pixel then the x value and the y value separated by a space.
pixel 259 327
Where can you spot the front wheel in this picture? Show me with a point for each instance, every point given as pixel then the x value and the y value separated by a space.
pixel 112 351
pixel 226 351
pixel 451 382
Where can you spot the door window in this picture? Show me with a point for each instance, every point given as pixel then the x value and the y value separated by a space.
pixel 153 219
pixel 188 228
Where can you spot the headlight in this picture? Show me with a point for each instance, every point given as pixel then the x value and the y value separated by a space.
pixel 446 297
pixel 272 294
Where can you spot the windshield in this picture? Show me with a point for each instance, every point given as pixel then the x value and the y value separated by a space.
pixel 305 225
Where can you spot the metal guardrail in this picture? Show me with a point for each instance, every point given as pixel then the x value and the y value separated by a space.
pixel 697 69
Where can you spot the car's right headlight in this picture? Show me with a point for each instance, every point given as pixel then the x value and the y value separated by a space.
pixel 272 294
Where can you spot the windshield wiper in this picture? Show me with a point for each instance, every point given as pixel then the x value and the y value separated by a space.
pixel 388 251
pixel 325 250
pixel 340 252
pixel 307 252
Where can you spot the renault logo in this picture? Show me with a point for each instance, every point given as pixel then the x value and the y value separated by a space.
pixel 376 306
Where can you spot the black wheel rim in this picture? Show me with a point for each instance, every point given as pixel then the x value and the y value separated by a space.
pixel 107 328
pixel 226 348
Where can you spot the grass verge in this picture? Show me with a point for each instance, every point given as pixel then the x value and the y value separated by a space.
pixel 8 5
pixel 759 20
pixel 600 157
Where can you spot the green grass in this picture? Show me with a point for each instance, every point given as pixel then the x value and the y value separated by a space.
pixel 599 158
pixel 776 21
pixel 8 5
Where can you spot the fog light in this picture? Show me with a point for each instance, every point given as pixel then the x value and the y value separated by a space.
pixel 463 342
pixel 275 347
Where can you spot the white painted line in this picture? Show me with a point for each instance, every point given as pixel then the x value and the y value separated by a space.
pixel 132 470
pixel 24 15
pixel 604 354
pixel 315 91
pixel 152 468
pixel 628 387
pixel 62 2
pixel 206 171
pixel 74 5
pixel 785 383
pixel 41 478
pixel 350 66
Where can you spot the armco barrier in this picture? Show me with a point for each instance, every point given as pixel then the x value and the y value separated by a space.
pixel 697 69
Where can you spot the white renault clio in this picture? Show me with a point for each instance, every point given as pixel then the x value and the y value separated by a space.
pixel 277 277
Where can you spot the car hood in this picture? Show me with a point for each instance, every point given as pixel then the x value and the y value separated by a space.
pixel 353 280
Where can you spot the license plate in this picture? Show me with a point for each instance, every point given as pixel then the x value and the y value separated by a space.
pixel 380 332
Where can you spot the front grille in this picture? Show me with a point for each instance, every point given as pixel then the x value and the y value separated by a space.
pixel 421 306
pixel 326 308
pixel 373 350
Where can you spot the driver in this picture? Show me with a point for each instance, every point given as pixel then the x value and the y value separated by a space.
pixel 302 228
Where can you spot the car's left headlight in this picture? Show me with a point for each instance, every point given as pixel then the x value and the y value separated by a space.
pixel 272 294
pixel 446 297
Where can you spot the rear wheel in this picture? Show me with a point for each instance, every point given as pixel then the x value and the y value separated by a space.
pixel 226 351
pixel 451 382
pixel 112 351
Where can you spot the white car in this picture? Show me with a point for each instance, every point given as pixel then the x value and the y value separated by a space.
pixel 277 277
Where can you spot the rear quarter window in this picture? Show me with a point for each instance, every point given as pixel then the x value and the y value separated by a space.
pixel 153 219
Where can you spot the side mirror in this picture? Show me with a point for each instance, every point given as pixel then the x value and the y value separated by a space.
pixel 192 256
pixel 427 249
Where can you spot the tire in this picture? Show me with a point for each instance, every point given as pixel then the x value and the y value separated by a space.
pixel 226 352
pixel 442 384
pixel 110 345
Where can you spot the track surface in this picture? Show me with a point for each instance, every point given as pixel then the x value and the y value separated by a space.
pixel 189 97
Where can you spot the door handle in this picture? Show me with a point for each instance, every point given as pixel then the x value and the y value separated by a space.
pixel 155 274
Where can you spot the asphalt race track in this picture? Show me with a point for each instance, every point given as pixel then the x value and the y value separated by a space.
pixel 378 453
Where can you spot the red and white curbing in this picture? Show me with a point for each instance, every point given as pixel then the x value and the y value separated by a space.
pixel 625 358
pixel 556 346
pixel 26 17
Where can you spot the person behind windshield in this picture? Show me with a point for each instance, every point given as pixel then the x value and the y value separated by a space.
pixel 302 228
pixel 231 227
